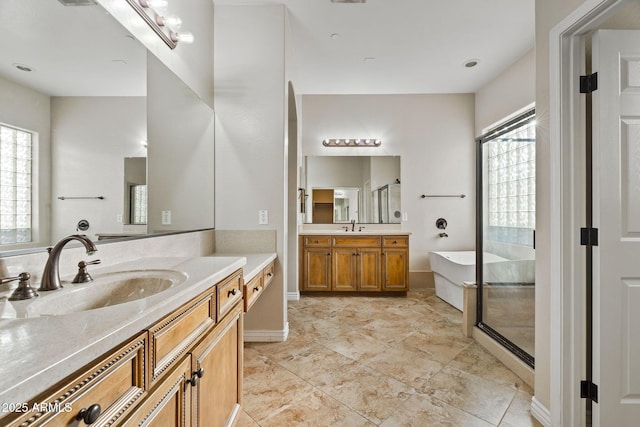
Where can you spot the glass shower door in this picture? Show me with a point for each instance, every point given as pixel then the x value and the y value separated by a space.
pixel 506 235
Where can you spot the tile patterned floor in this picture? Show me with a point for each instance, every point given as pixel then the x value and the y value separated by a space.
pixel 385 361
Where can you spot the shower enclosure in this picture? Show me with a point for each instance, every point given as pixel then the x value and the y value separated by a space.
pixel 506 230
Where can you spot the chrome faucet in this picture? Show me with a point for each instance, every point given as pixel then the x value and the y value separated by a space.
pixel 51 275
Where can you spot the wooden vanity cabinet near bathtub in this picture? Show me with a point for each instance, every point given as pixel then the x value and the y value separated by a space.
pixel 185 370
pixel 355 263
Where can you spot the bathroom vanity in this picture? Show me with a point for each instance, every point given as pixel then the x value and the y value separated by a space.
pixel 343 261
pixel 172 358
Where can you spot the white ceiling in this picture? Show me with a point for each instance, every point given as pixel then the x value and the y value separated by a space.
pixel 419 46
pixel 72 50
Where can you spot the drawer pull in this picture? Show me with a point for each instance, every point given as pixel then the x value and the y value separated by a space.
pixel 89 415
pixel 395 242
pixel 329 254
pixel 256 289
pixel 233 292
pixel 269 274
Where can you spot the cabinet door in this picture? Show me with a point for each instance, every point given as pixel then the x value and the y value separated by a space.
pixel 395 270
pixel 368 268
pixel 317 269
pixel 344 276
pixel 169 405
pixel 217 361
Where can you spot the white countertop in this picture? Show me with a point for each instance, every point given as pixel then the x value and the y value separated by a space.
pixel 255 262
pixel 38 352
pixel 342 232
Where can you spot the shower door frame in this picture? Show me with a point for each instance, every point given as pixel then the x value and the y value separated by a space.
pixel 521 119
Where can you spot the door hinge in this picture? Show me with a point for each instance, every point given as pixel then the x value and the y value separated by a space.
pixel 589 83
pixel 589 236
pixel 588 390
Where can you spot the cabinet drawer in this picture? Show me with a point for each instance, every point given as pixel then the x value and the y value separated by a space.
pixel 395 241
pixel 252 291
pixel 115 383
pixel 357 241
pixel 267 274
pixel 229 292
pixel 317 241
pixel 172 336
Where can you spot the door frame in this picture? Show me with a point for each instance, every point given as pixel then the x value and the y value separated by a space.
pixel 566 132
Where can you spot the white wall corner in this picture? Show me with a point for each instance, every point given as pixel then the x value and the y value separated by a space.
pixel 267 335
pixel 540 412
pixel 293 296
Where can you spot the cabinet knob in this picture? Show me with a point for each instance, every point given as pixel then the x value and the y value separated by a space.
pixel 269 274
pixel 395 242
pixel 89 415
pixel 329 254
pixel 233 291
pixel 384 253
pixel 199 373
pixel 256 289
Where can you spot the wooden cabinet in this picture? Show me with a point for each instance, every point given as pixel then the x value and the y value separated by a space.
pixel 316 274
pixel 103 392
pixel 395 263
pixel 256 286
pixel 170 402
pixel 183 371
pixel 218 359
pixel 355 269
pixel 354 263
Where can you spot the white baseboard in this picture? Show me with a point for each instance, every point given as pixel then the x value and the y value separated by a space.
pixel 267 335
pixel 293 296
pixel 540 412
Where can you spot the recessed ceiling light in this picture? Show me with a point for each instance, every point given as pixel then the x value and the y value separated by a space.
pixel 369 59
pixel 23 67
pixel 348 1
pixel 334 36
pixel 471 63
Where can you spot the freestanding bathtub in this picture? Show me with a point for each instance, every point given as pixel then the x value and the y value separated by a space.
pixel 451 269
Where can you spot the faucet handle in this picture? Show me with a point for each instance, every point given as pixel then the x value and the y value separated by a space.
pixel 24 289
pixel 83 275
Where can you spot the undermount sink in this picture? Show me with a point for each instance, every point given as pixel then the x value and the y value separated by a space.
pixel 106 290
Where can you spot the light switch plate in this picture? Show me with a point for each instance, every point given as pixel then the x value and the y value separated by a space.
pixel 263 217
pixel 166 217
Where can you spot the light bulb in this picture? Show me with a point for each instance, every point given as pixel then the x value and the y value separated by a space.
pixel 182 37
pixel 174 22
pixel 158 6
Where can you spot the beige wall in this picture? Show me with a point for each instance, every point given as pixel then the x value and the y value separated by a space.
pixel 509 93
pixel 548 14
pixel 433 135
pixel 31 110
pixel 88 159
pixel 250 103
pixel 181 157
pixel 193 63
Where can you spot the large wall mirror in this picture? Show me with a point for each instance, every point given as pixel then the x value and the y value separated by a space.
pixel 341 189
pixel 93 131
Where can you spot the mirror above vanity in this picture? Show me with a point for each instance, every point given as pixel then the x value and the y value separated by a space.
pixel 341 189
pixel 106 122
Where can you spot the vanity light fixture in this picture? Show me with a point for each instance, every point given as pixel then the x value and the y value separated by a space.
pixel 166 27
pixel 352 142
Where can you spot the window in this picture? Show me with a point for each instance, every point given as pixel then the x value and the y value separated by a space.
pixel 511 194
pixel 138 204
pixel 15 185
